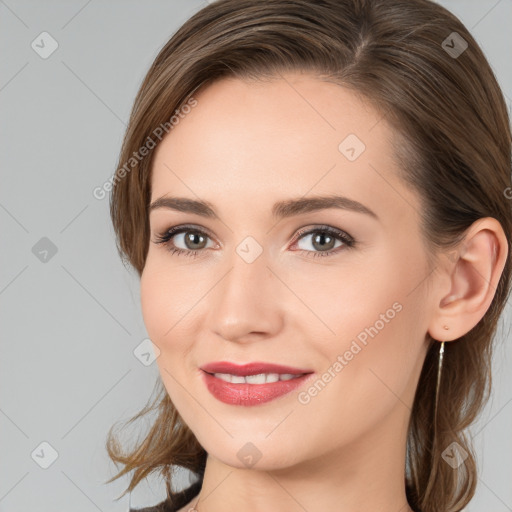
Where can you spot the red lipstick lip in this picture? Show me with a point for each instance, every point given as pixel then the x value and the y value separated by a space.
pixel 254 368
pixel 246 394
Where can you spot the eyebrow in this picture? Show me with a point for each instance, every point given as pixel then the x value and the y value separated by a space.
pixel 280 210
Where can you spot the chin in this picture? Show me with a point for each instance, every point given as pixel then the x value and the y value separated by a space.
pixel 254 452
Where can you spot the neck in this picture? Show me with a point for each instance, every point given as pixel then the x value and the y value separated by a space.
pixel 366 475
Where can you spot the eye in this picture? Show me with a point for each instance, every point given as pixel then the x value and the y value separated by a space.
pixel 191 238
pixel 323 241
pixel 194 240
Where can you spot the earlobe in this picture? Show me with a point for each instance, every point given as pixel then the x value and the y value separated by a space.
pixel 474 272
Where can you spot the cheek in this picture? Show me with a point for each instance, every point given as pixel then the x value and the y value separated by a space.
pixel 164 310
pixel 170 300
pixel 347 297
pixel 167 299
pixel 152 303
pixel 371 317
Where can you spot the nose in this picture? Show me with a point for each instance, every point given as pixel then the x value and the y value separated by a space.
pixel 247 304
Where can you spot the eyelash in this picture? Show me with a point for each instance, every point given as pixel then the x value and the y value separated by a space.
pixel 347 240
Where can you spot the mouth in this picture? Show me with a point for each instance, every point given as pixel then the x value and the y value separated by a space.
pixel 253 383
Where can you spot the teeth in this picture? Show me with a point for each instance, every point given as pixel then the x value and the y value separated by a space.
pixel 261 378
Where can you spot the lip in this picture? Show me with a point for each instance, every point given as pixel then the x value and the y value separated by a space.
pixel 246 394
pixel 251 368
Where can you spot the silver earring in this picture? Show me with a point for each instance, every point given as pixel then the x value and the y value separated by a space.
pixel 439 369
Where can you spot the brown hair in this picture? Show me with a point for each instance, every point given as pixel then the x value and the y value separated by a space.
pixel 453 147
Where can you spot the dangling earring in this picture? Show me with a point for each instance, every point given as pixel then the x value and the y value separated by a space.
pixel 439 368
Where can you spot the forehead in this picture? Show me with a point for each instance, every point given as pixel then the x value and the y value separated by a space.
pixel 253 141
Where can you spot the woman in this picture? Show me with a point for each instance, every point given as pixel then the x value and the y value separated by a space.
pixel 316 197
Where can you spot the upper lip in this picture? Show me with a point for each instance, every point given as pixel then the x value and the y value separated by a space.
pixel 250 368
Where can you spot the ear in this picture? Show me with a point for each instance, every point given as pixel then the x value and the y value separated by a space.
pixel 470 278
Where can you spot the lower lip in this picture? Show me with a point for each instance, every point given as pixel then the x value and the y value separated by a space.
pixel 250 394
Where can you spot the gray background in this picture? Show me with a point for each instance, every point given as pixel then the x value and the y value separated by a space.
pixel 70 324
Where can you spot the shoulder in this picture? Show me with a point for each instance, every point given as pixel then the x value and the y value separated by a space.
pixel 180 499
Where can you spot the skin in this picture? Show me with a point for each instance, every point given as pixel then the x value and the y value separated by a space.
pixel 245 146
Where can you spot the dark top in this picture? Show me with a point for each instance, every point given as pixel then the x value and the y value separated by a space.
pixel 182 498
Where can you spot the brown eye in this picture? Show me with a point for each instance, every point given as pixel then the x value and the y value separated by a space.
pixel 323 241
pixel 183 240
pixel 194 240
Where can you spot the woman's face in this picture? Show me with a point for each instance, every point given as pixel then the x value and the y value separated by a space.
pixel 267 284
